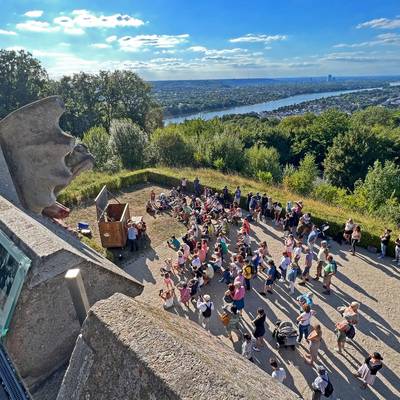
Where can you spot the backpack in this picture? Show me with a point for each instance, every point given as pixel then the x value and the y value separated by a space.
pixel 351 332
pixel 207 311
pixel 278 275
pixel 225 318
pixel 247 272
pixel 329 388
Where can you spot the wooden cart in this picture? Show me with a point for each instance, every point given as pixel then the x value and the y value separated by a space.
pixel 112 219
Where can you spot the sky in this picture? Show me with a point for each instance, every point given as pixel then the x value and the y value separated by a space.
pixel 207 39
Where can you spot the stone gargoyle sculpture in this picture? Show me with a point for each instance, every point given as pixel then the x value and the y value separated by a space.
pixel 41 158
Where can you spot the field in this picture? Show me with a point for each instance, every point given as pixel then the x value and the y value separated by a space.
pixel 359 278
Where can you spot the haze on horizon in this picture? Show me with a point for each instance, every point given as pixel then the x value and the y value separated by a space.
pixel 162 40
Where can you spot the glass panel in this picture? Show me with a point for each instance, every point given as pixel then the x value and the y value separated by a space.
pixel 14 266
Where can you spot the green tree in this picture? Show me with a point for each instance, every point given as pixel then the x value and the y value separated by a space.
pixel 319 136
pixel 82 102
pixel 302 180
pixel 97 140
pixel 351 154
pixel 128 141
pixel 263 159
pixel 169 147
pixel 374 115
pixel 381 183
pixel 22 80
pixel 226 153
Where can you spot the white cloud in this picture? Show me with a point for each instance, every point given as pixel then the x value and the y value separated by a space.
pixel 64 44
pixel 381 23
pixel 111 39
pixel 134 43
pixel 221 52
pixel 82 19
pixel 384 39
pixel 8 33
pixel 34 13
pixel 36 26
pixel 253 38
pixel 100 45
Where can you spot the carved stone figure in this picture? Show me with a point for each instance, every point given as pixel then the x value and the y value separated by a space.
pixel 41 158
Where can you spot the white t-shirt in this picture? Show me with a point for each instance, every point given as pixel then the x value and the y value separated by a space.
pixel 321 254
pixel 196 262
pixel 279 375
pixel 306 317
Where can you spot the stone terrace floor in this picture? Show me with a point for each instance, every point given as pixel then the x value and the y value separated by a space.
pixel 372 282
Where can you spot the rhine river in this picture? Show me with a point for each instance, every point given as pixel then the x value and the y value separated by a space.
pixel 259 107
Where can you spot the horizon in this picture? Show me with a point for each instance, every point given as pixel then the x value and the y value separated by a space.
pixel 165 41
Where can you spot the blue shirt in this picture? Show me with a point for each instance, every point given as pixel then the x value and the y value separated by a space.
pixel 312 236
pixel 132 233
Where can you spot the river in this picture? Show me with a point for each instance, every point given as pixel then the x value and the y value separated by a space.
pixel 259 107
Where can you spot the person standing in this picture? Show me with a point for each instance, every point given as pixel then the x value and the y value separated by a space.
pixel 237 195
pixel 184 185
pixel 197 188
pixel 259 331
pixel 320 383
pixel 312 237
pixel 238 296
pixel 294 271
pixel 284 265
pixel 132 237
pixel 247 347
pixel 271 276
pixel 397 251
pixel 385 239
pixel 367 372
pixel 304 320
pixel 234 321
pixel 205 307
pixel 322 256
pixel 329 271
pixel 314 341
pixel 307 266
pixel 355 238
pixel 278 373
pixel 247 274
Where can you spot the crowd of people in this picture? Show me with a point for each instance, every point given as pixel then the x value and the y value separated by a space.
pixel 202 255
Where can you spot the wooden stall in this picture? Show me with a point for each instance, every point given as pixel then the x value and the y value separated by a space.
pixel 112 219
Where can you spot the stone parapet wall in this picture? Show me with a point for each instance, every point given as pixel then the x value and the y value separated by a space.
pixel 131 350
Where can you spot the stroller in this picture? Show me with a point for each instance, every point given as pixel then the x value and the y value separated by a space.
pixel 285 334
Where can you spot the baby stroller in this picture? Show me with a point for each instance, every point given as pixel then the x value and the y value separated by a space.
pixel 285 334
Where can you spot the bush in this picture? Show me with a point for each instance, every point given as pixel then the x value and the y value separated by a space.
pixel 302 180
pixel 263 159
pixel 265 177
pixel 170 148
pixel 329 194
pixel 128 142
pixel 97 141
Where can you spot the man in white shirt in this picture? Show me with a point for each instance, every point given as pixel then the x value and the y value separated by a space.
pixel 205 307
pixel 322 255
pixel 320 383
pixel 277 373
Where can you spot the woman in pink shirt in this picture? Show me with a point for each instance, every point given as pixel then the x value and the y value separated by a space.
pixel 238 297
pixel 203 250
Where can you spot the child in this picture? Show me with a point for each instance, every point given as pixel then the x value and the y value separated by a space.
pixel 247 347
pixel 168 297
pixel 169 284
pixel 184 293
pixel 277 373
pixel 292 275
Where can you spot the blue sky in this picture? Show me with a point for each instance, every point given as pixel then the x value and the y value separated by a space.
pixel 188 39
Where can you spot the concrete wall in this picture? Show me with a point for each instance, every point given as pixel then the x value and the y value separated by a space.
pixel 130 350
pixel 44 326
